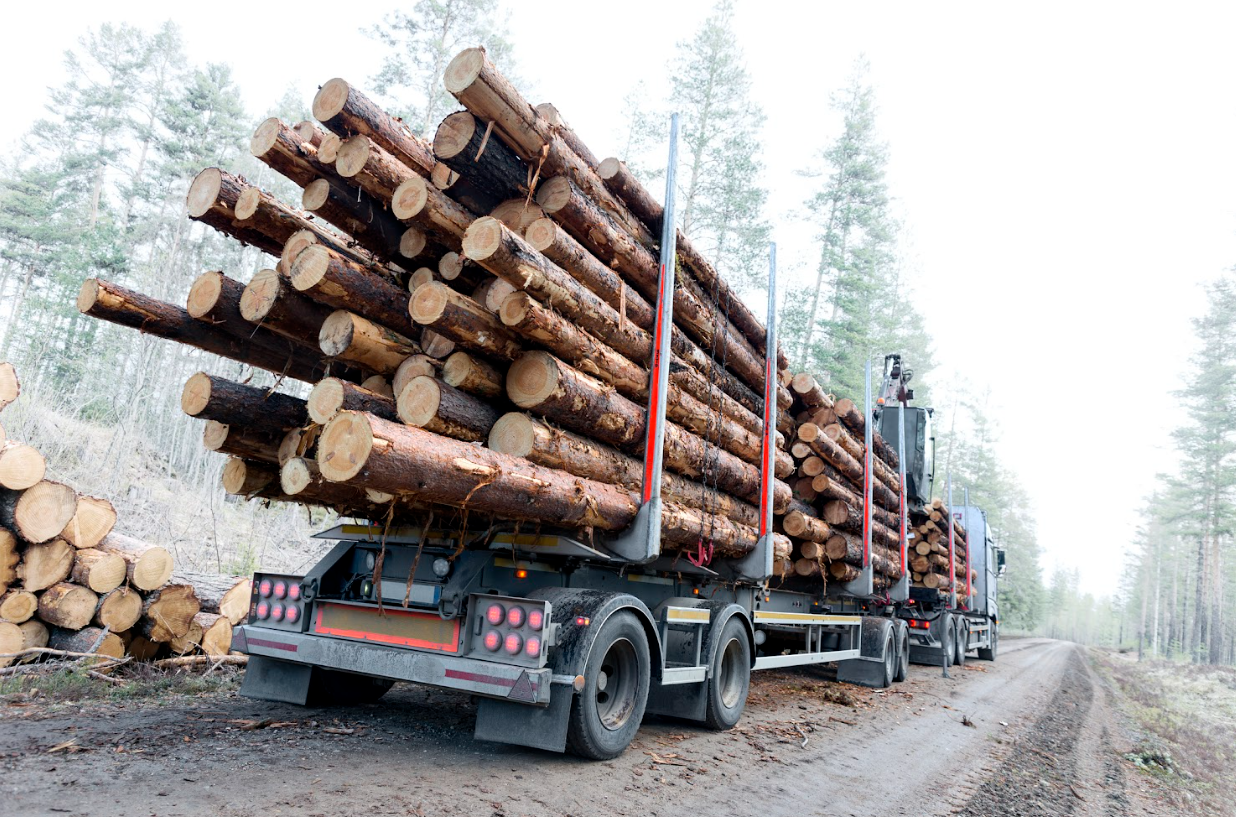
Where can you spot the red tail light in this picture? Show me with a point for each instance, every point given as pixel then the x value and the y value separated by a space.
pixel 294 592
pixel 514 643
pixel 495 614
pixel 533 647
pixel 276 612
pixel 291 614
pixel 281 589
pixel 536 619
pixel 493 640
pixel 263 609
pixel 515 617
pixel 264 587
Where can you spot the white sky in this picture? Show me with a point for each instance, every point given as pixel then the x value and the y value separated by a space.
pixel 1066 171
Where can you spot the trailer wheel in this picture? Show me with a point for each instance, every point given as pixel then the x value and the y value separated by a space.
pixel 949 644
pixel 606 715
pixel 332 688
pixel 959 654
pixel 729 677
pixel 903 656
pixel 989 653
pixel 890 660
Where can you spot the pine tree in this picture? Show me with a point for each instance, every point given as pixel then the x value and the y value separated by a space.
pixel 721 201
pixel 421 43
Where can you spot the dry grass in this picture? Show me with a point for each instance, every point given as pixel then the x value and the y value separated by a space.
pixel 1187 717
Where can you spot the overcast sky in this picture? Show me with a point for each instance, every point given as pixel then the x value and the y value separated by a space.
pixel 1065 171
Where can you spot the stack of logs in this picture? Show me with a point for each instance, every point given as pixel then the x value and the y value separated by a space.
pixel 68 582
pixel 475 316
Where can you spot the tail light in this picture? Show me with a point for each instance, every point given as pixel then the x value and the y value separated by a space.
pixel 276 612
pixel 264 588
pixel 291 614
pixel 495 614
pixel 509 629
pixel 493 640
pixel 277 602
pixel 281 589
pixel 536 619
pixel 514 643
pixel 515 617
pixel 294 591
pixel 263 610
pixel 533 647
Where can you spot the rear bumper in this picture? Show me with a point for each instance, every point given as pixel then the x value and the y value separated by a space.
pixel 493 680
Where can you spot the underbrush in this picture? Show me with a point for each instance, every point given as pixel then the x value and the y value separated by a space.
pixel 57 687
pixel 1187 717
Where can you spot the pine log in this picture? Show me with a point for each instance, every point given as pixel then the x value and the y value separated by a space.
pixel 167 612
pixel 420 277
pixel 850 519
pixel 106 301
pixel 93 519
pixel 299 442
pixel 522 436
pixel 67 605
pixel 540 382
pixel 9 559
pixel 148 566
pixel 91 639
pixel 34 634
pixel 626 187
pixel 347 336
pixel 10 386
pixel 227 596
pixel 215 299
pixel 438 347
pixel 801 526
pixel 329 149
pixel 251 479
pixel 241 442
pixel 21 466
pixel 38 513
pixel 433 405
pixel 804 489
pixel 345 111
pixel 809 392
pixel 335 280
pixel 463 144
pixel 212 200
pixel 492 293
pixel 214 398
pixel 11 639
pixel 855 448
pixel 474 197
pixel 413 367
pixel 309 132
pixel 463 320
pixel 420 203
pixel 473 375
pixel 189 642
pixel 18 605
pixel 98 570
pixel 45 564
pixel 330 396
pixel 356 213
pixel 846 465
pixel 286 150
pixel 378 384
pixel 377 171
pixel 119 610
pixel 216 633
pixel 518 214
pixel 461 274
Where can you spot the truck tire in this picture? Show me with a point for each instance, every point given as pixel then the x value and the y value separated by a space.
pixel 606 715
pixel 949 641
pixel 729 677
pixel 333 688
pixel 989 653
pixel 903 655
pixel 959 654
pixel 890 659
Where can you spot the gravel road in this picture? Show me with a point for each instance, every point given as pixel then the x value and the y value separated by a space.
pixel 1030 734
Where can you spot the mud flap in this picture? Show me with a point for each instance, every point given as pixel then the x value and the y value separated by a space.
pixel 687 701
pixel 867 670
pixel 541 727
pixel 269 679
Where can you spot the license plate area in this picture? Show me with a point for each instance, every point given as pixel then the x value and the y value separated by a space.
pixel 399 628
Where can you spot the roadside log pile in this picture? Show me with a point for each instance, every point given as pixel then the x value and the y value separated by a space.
pixel 71 583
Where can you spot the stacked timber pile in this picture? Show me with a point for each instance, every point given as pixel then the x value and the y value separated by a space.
pixel 929 559
pixel 70 583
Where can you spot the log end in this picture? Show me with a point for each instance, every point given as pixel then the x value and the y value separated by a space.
pixel 609 168
pixel 44 511
pixel 264 137
pixel 531 379
pixel 330 99
pixel 329 148
pixel 409 198
pixel 518 214
pixel 205 293
pixel 514 308
pixel 335 336
pixel 554 194
pixel 325 400
pixel 344 446
pixel 429 302
pixel 450 266
pixel 204 191
pixel 91 523
pixel 310 266
pixel 513 434
pixel 315 195
pixel 483 238
pixel 195 396
pixel 21 467
pixel 88 295
pixel 352 156
pixel 418 402
pixel 214 435
pixel 411 368
pixel 260 295
pixel 412 243
pixel 457 368
pixel 461 72
pixel 295 475
pixel 541 234
pixel 454 134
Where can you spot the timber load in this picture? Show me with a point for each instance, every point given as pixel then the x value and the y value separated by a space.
pixel 70 582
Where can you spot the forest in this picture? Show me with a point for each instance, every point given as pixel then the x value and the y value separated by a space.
pixel 98 189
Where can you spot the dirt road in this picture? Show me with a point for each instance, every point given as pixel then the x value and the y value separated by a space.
pixel 929 746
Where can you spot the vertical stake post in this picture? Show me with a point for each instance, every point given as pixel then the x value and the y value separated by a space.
pixel 863 585
pixel 952 545
pixel 901 591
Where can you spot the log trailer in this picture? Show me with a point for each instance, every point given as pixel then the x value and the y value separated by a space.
pixel 568 641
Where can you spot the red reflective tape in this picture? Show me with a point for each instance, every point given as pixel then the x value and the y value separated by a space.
pixel 654 401
pixel 479 678
pixel 767 455
pixel 274 645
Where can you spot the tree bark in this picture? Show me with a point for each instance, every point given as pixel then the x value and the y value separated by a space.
pixel 626 187
pixel 434 406
pixel 345 111
pixel 467 146
pixel 330 278
pixel 474 198
pixel 147 566
pixel 89 639
pixel 420 203
pixel 473 375
pixel 356 213
pixel 168 612
pixel 331 396
pixel 215 299
pixel 463 320
pixel 214 398
pixel 349 337
pixel 286 151
pixel 67 605
pixel 239 441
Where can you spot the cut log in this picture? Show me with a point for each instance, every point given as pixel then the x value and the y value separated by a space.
pixel 148 566
pixel 419 202
pixel 540 382
pixel 189 642
pixel 420 277
pixel 10 386
pixel 492 293
pixel 371 167
pixel 330 396
pixel 212 200
pixel 460 273
pixel 34 634
pixel 309 132
pixel 214 398
pixel 11 639
pixel 356 213
pixel 809 391
pixel 299 442
pixel 67 605
pixel 413 367
pixel 224 595
pixel 9 559
pixel 799 525
pixel 473 375
pixel 119 610
pixel 241 442
pixel 287 151
pixel 21 466
pixel 45 564
pixel 91 639
pixel 38 513
pixel 522 436
pixel 106 301
pixel 378 384
pixel 463 144
pixel 271 301
pixel 348 336
pixel 18 605
pixel 330 278
pixel 167 612
pixel 438 347
pixel 216 633
pixel 345 111
pixel 518 213
pixel 626 187
pixel 250 479
pixel 92 521
pixel 475 198
pixel 855 448
pixel 433 405
pixel 98 570
pixel 329 149
pixel 463 320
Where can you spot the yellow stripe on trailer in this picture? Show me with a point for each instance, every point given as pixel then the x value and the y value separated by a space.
pixel 763 617
pixel 693 614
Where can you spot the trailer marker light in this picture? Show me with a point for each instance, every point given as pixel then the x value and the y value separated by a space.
pixel 515 617
pixel 495 614
pixel 582 621
pixel 533 647
pixel 578 683
pixel 294 592
pixel 281 589
pixel 696 591
pixel 493 640
pixel 264 588
pixel 521 574
pixel 263 609
pixel 276 612
pixel 536 619
pixel 514 644
pixel 291 614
